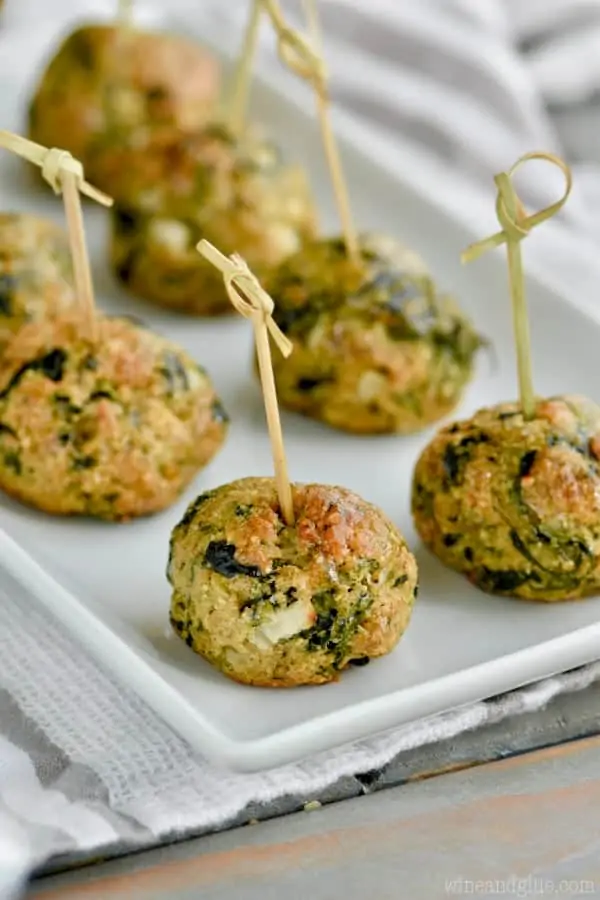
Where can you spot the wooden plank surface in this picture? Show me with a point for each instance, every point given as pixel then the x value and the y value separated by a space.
pixel 528 826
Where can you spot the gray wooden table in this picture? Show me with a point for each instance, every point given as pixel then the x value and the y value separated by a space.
pixel 512 809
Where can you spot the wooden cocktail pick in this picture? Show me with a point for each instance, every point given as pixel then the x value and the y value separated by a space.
pixel 125 13
pixel 308 64
pixel 252 302
pixel 65 176
pixel 238 101
pixel 516 225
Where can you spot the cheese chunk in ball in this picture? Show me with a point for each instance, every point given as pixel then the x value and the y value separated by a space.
pixel 513 504
pixel 114 430
pixel 276 605
pixel 35 272
pixel 106 87
pixel 376 348
pixel 178 189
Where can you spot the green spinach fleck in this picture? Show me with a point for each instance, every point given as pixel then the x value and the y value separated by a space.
pixel 190 513
pixel 51 365
pixel 12 460
pixel 220 556
pixel 84 462
pixel 8 284
pixel 219 413
pixel 331 631
pixel 174 372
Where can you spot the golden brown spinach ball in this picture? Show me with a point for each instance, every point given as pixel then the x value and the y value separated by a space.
pixel 35 272
pixel 376 348
pixel 114 429
pixel 277 605
pixel 515 505
pixel 107 86
pixel 178 189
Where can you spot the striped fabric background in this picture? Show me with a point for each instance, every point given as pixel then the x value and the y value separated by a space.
pixel 453 90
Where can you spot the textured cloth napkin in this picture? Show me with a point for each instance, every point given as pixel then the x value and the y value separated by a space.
pixel 450 91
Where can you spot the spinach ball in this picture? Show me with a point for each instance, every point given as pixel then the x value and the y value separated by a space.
pixel 376 348
pixel 179 188
pixel 108 87
pixel 515 504
pixel 277 605
pixel 36 279
pixel 112 429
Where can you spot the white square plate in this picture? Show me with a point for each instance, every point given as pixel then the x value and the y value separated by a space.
pixel 107 582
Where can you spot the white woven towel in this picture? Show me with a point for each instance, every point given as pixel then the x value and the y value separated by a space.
pixel 452 90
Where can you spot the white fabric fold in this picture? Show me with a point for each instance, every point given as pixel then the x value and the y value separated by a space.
pixel 449 92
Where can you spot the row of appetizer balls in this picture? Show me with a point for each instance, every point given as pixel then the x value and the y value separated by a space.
pixel 117 429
